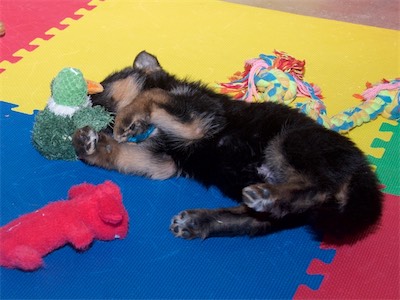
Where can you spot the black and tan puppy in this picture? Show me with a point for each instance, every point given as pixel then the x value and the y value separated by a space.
pixel 282 167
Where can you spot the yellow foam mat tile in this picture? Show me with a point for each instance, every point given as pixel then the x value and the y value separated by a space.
pixel 208 40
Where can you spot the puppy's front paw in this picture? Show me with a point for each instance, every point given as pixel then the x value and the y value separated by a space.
pixel 85 141
pixel 188 225
pixel 130 126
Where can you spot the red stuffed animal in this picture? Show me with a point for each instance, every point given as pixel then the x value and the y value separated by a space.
pixel 92 212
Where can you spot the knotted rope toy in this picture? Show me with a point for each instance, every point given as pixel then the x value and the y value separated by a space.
pixel 378 99
pixel 280 78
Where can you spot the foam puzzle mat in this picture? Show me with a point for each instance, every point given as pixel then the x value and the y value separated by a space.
pixel 204 40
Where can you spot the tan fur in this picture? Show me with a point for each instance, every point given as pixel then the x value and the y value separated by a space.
pixel 132 158
pixel 148 107
pixel 148 98
pixel 126 158
pixel 342 195
pixel 101 150
pixel 293 179
pixel 190 131
pixel 285 191
pixel 307 202
pixel 124 91
pixel 277 195
pixel 281 199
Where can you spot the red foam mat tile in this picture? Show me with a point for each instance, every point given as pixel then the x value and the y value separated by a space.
pixel 26 20
pixel 368 269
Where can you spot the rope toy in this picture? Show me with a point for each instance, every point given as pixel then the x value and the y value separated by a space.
pixel 379 99
pixel 279 78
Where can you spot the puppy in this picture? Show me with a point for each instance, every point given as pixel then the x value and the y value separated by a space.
pixel 281 167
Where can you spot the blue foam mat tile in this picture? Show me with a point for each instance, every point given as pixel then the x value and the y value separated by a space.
pixel 150 262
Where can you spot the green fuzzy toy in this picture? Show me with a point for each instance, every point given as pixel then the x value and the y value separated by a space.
pixel 68 109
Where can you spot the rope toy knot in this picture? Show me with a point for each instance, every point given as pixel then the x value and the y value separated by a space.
pixel 279 78
pixel 276 78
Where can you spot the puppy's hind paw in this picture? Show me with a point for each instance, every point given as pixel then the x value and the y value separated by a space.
pixel 257 197
pixel 85 141
pixel 187 225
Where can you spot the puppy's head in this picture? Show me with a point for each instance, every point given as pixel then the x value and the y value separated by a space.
pixel 122 87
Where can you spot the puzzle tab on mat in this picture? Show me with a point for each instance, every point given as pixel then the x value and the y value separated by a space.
pixel 35 18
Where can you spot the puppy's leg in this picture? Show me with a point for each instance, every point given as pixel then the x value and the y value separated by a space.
pixel 99 149
pixel 282 199
pixel 234 221
pixel 158 107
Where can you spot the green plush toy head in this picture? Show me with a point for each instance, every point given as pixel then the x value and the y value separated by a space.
pixel 68 109
pixel 69 88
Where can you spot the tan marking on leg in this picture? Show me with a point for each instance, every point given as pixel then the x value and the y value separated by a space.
pixel 302 204
pixel 135 159
pixel 124 91
pixel 147 108
pixel 153 96
pixel 192 130
pixel 282 170
pixel 105 152
pixel 137 113
pixel 129 158
pixel 142 104
pixel 342 195
pixel 296 182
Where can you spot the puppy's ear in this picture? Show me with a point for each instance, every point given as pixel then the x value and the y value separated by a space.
pixel 146 62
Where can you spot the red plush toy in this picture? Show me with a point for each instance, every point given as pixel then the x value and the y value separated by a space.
pixel 92 212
